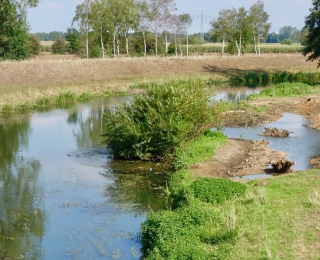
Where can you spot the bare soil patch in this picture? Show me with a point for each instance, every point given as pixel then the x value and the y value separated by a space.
pixel 241 157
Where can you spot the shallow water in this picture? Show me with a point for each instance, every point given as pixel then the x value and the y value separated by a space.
pixel 61 195
pixel 302 144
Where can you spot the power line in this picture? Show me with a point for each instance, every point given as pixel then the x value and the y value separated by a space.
pixel 202 17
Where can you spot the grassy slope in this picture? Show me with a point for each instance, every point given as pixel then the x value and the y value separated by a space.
pixel 281 219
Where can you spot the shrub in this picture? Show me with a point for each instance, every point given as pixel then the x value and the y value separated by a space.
pixel 214 190
pixel 35 46
pixel 59 46
pixel 154 125
pixel 287 41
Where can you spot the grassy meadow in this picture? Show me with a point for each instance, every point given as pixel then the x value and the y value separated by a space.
pixel 25 82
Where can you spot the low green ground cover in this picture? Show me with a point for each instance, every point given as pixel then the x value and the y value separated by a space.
pixel 256 78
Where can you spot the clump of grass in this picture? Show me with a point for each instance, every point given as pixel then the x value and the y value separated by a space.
pixel 314 198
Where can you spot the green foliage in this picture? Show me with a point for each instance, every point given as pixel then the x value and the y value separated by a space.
pixel 51 36
pixel 155 124
pixel 59 46
pixel 312 41
pixel 255 78
pixel 35 46
pixel 14 38
pixel 287 41
pixel 73 45
pixel 216 191
pixel 175 234
pixel 199 150
pixel 287 89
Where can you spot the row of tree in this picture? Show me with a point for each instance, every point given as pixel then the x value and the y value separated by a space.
pixel 240 27
pixel 108 24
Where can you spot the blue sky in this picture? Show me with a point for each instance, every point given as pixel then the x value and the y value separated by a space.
pixel 56 15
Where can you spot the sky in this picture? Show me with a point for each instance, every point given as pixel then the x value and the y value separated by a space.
pixel 56 15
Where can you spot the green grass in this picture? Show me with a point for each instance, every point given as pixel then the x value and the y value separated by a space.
pixel 278 221
pixel 257 78
pixel 287 90
pixel 199 150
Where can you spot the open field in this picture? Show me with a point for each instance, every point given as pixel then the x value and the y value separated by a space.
pixel 46 43
pixel 30 79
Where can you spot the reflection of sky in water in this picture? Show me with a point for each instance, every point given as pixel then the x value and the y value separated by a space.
pixel 234 94
pixel 302 144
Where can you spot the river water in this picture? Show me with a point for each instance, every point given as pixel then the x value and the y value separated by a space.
pixel 61 194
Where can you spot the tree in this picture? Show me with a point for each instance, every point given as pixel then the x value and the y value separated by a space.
pixel 14 37
pixel 312 22
pixel 82 17
pixel 186 21
pixel 259 22
pixel 289 32
pixel 73 45
pixel 158 13
pixel 222 28
pixel 303 36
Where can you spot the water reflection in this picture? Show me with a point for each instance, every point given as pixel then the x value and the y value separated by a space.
pixel 22 219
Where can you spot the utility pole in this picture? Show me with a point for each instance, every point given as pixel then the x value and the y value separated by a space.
pixel 202 18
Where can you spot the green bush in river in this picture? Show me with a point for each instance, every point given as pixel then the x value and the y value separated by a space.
pixel 155 124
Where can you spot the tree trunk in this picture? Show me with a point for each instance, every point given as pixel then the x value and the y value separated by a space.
pixel 145 44
pixel 187 44
pixel 175 44
pixel 127 45
pixel 87 42
pixel 118 48
pixel 166 38
pixel 222 47
pixel 114 45
pixel 255 45
pixel 102 46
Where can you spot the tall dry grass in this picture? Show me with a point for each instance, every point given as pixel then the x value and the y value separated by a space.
pixel 27 80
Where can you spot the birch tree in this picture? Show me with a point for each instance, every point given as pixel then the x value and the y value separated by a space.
pixel 259 22
pixel 158 13
pixel 185 22
pixel 222 28
pixel 82 18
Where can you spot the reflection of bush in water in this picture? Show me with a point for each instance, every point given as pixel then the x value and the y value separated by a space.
pixel 22 221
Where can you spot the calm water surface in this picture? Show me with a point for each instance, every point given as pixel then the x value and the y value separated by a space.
pixel 61 195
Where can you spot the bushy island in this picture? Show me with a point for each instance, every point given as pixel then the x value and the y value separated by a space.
pixel 206 218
